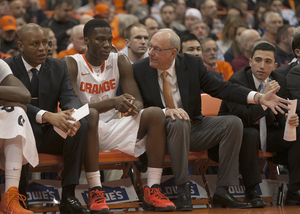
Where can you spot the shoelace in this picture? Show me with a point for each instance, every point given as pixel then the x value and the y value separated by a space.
pixel 17 197
pixel 100 197
pixel 158 194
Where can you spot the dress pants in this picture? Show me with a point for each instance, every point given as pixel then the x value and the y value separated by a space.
pixel 73 150
pixel 200 135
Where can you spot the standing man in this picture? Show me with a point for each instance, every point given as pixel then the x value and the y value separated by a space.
pixel 61 23
pixel 95 77
pixel 178 93
pixel 263 129
pixel 49 83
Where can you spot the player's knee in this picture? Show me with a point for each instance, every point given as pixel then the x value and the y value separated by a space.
pixel 93 118
pixel 155 115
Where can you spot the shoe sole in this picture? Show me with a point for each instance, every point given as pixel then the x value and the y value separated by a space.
pixel 292 202
pixel 103 211
pixel 149 207
pixel 228 206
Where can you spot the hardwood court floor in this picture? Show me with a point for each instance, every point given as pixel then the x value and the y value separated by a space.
pixel 266 210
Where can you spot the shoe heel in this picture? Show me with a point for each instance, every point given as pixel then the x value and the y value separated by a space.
pixel 218 205
pixel 147 206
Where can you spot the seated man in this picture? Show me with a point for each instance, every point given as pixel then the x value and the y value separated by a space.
pixel 210 59
pixel 17 144
pixel 95 77
pixel 49 83
pixel 262 128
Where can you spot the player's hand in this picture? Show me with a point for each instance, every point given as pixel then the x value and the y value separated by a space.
pixel 272 101
pixel 125 104
pixel 6 103
pixel 179 112
pixel 293 120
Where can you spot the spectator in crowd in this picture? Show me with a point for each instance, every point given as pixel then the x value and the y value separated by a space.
pixel 284 70
pixel 89 6
pixel 273 22
pixel 167 14
pixel 189 129
pixel 246 40
pixel 52 39
pixel 235 49
pixel 259 9
pixel 276 6
pixel 147 125
pixel 228 33
pixel 180 9
pixel 191 44
pixel 191 16
pixel 50 83
pixel 8 29
pixel 3 55
pixel 156 8
pixel 77 40
pixel 208 9
pixel 17 7
pixel 21 20
pixel 35 11
pixel 210 59
pixel 262 128
pixel 284 45
pixel 84 18
pixel 4 8
pixel 247 17
pixel 61 23
pixel 16 139
pixel 151 25
pixel 100 11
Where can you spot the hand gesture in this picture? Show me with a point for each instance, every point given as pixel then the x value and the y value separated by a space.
pixel 179 112
pixel 125 104
pixel 271 85
pixel 272 101
pixel 293 120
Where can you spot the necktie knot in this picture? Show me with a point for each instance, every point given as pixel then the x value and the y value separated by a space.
pixel 34 71
pixel 262 86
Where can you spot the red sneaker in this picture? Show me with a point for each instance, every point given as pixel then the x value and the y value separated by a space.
pixel 10 202
pixel 97 201
pixel 155 200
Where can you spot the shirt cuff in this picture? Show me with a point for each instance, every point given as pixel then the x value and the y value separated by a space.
pixel 39 116
pixel 164 110
pixel 250 97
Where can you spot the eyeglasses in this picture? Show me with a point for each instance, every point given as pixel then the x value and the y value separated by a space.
pixel 210 49
pixel 157 49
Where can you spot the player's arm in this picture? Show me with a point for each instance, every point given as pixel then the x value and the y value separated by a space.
pixel 127 80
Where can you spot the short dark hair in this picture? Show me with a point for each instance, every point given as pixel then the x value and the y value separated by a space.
pixel 165 5
pixel 283 31
pixel 58 3
pixel 262 46
pixel 90 26
pixel 296 43
pixel 188 37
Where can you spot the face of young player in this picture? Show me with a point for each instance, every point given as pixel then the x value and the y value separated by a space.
pixel 99 43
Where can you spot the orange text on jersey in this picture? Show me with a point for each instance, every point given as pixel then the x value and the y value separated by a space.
pixel 98 88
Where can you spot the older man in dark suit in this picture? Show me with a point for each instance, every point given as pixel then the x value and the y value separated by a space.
pixel 174 83
pixel 49 83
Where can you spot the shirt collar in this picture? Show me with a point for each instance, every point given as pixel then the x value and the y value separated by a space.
pixel 257 82
pixel 29 67
pixel 170 70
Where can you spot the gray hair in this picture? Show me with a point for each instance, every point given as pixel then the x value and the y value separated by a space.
pixel 174 38
pixel 75 28
pixel 296 32
pixel 268 17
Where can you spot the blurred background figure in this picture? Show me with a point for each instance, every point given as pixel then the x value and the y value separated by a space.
pixel 151 25
pixel 8 30
pixel 21 20
pixel 53 42
pixel 4 8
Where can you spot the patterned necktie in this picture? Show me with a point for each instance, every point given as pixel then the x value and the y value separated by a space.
pixel 262 124
pixel 167 92
pixel 34 88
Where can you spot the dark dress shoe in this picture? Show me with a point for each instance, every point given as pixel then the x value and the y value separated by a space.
pixel 254 199
pixel 72 205
pixel 184 203
pixel 292 198
pixel 227 200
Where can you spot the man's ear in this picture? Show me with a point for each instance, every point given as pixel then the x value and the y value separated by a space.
pixel 127 42
pixel 20 46
pixel 297 52
pixel 250 62
pixel 86 40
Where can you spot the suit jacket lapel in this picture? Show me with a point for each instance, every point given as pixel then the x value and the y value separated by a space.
pixel 153 86
pixel 183 82
pixel 22 72
pixel 250 80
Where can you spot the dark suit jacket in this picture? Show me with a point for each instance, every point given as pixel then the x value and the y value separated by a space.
pixel 192 78
pixel 284 70
pixel 293 84
pixel 251 113
pixel 54 86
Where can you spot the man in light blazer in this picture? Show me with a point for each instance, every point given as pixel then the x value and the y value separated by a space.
pixel 187 129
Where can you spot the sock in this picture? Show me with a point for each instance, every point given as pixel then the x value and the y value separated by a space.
pixel 68 191
pixel 13 162
pixel 250 188
pixel 221 190
pixel 183 189
pixel 93 179
pixel 154 176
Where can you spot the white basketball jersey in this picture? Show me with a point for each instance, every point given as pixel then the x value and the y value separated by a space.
pixel 94 86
